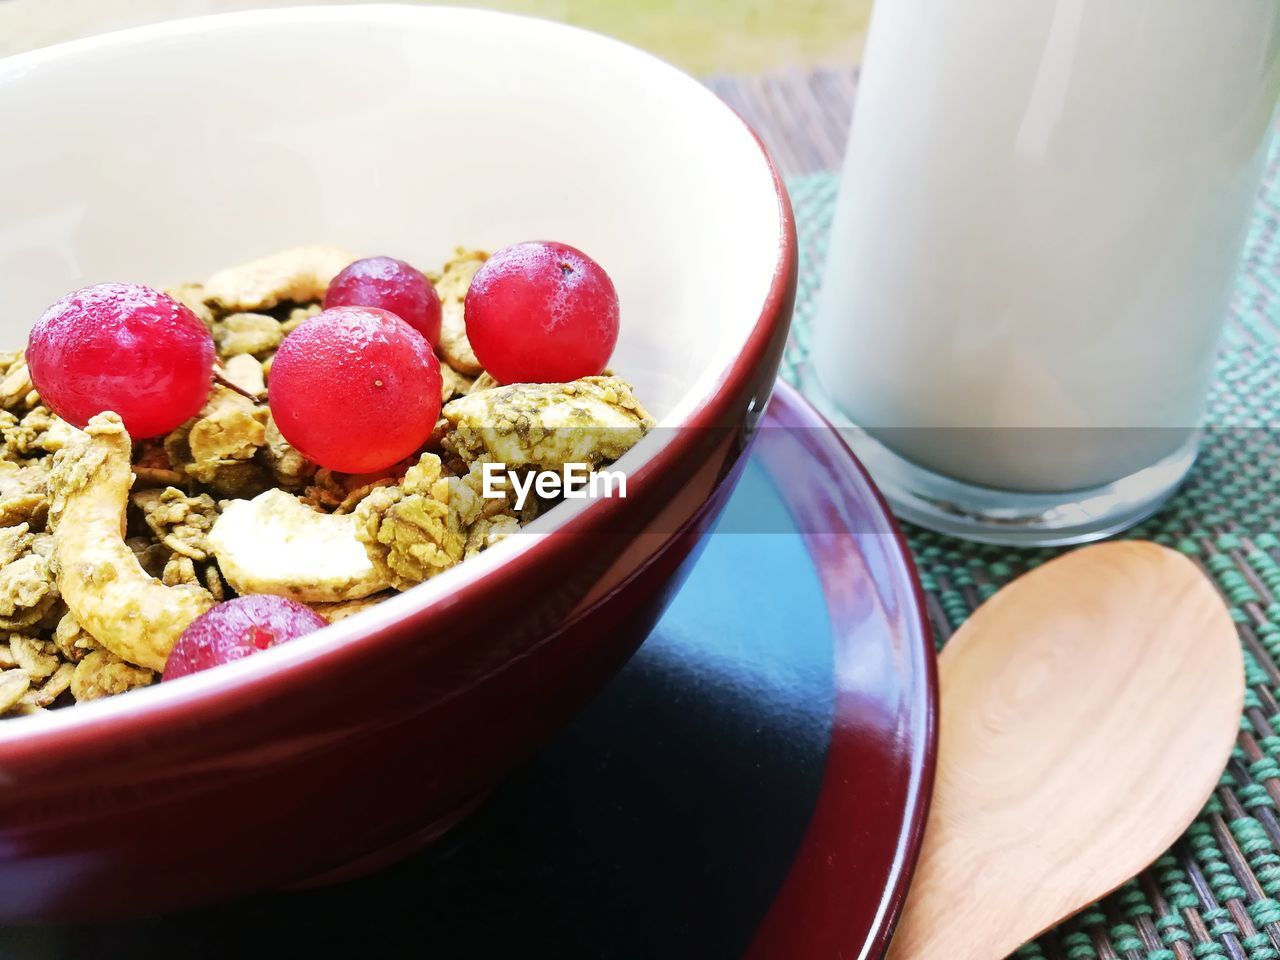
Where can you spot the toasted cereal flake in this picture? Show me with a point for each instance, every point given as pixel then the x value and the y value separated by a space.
pixel 151 556
pixel 17 392
pixel 11 434
pixel 486 381
pixel 298 315
pixel 485 532
pixel 218 447
pixel 24 496
pixel 255 334
pixel 28 591
pixel 326 490
pixel 546 425
pixel 39 431
pixel 213 582
pixel 230 427
pixel 452 383
pixel 452 286
pixel 181 522
pixel 15 542
pixel 39 658
pixel 290 468
pixel 354 498
pixel 298 275
pixel 192 296
pixel 103 674
pixel 246 373
pixel 53 687
pixel 333 612
pixel 13 686
pixel 180 571
pixel 72 640
pixel 412 532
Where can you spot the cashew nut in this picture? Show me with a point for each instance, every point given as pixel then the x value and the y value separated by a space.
pixel 275 543
pixel 130 613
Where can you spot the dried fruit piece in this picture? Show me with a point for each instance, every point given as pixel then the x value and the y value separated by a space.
pixel 237 629
pixel 542 312
pixel 126 348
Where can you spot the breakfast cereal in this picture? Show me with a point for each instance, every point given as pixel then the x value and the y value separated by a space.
pixel 111 545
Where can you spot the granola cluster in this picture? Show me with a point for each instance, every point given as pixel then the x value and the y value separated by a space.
pixel 109 547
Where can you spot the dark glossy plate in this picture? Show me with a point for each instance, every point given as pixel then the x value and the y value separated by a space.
pixel 754 782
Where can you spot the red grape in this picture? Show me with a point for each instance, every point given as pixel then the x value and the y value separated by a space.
pixel 542 312
pixel 237 629
pixel 355 389
pixel 126 348
pixel 391 285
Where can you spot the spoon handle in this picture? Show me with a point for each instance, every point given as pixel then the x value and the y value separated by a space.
pixel 954 911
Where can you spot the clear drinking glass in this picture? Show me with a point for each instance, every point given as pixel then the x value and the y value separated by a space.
pixel 1042 208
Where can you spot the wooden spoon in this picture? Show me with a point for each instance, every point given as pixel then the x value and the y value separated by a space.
pixel 1088 710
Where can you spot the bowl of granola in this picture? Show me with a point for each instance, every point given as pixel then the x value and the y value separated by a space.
pixel 310 316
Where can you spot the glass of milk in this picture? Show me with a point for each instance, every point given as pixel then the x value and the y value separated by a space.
pixel 1042 208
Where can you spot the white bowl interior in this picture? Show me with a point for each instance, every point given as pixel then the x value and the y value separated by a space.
pixel 160 154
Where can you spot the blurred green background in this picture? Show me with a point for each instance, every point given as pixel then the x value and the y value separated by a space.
pixel 703 36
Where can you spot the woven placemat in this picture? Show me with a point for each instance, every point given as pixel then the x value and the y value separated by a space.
pixel 1215 893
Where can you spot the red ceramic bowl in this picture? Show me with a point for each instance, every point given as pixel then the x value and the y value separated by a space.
pixel 393 130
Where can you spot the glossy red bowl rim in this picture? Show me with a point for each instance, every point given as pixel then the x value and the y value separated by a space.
pixel 811 915
pixel 243 683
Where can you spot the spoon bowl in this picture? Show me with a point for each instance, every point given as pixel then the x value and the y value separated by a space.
pixel 1087 712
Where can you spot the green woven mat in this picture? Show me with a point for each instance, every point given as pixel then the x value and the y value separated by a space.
pixel 1216 893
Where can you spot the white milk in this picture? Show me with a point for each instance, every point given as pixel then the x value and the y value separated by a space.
pixel 1042 209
